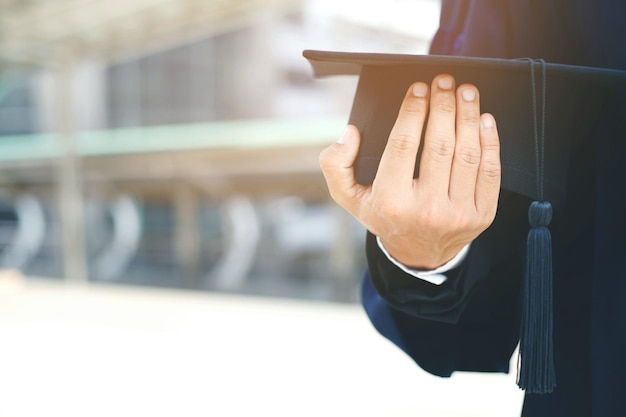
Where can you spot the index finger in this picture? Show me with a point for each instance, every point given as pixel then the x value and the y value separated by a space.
pixel 397 163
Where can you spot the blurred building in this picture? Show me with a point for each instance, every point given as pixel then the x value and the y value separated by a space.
pixel 174 143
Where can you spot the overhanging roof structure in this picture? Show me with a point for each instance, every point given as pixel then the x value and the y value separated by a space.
pixel 39 32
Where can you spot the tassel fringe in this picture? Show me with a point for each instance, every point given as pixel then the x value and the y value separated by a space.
pixel 536 373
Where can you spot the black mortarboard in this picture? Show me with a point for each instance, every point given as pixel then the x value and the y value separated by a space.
pixel 542 110
pixel 505 91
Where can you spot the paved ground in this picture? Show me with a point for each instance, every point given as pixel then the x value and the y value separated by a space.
pixel 122 351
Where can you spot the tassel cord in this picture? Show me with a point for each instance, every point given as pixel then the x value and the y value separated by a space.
pixel 539 136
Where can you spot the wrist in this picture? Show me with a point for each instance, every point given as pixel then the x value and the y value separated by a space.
pixel 435 276
pixel 419 258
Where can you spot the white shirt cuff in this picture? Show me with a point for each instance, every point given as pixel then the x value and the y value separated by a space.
pixel 435 276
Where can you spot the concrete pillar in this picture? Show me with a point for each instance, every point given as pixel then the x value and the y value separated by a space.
pixel 69 174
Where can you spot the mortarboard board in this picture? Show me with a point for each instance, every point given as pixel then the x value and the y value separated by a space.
pixel 543 111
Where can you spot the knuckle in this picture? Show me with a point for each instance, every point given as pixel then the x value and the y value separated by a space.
pixel 461 221
pixel 470 117
pixel 445 105
pixel 414 107
pixel 403 142
pixel 430 216
pixel 491 170
pixel 490 146
pixel 469 155
pixel 486 219
pixel 390 210
pixel 441 145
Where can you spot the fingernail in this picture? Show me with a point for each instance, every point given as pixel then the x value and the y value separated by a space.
pixel 468 94
pixel 445 83
pixel 420 90
pixel 488 121
pixel 344 136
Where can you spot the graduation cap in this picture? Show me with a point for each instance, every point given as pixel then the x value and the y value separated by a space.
pixel 537 106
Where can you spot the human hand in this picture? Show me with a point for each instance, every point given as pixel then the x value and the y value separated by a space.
pixel 425 222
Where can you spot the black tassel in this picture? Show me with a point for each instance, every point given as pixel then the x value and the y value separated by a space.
pixel 536 368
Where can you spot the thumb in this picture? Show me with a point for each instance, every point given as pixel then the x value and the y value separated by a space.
pixel 337 163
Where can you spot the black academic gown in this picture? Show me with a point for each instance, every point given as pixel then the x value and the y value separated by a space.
pixel 471 322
